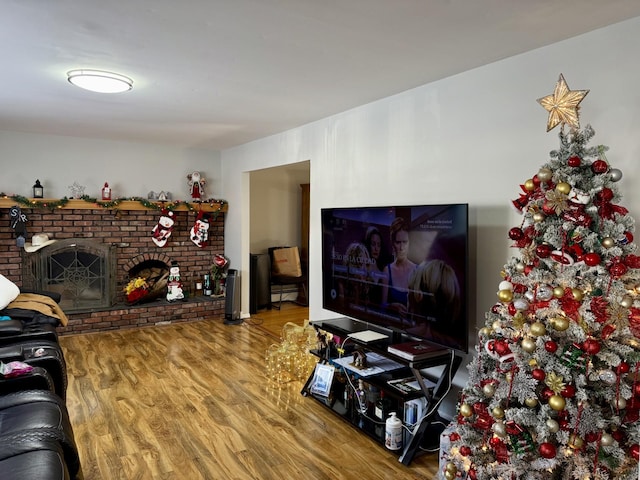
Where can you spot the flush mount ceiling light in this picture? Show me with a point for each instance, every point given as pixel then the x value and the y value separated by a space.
pixel 100 81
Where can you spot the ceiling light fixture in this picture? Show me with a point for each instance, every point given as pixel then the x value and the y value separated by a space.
pixel 100 81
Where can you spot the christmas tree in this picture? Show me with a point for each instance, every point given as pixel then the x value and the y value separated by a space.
pixel 554 388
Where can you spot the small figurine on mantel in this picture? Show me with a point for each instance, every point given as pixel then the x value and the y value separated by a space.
pixel 196 182
pixel 174 285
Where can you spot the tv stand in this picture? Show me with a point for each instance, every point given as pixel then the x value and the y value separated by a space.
pixel 338 397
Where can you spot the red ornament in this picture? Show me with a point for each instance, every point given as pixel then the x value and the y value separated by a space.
pixel 544 250
pixel 632 261
pixel 574 161
pixel 592 259
pixel 591 346
pixel 494 442
pixel 568 391
pixel 550 346
pixel 547 450
pixel 617 269
pixel 548 209
pixel 516 233
pixel 454 436
pixel 599 166
pixel 547 393
pixel 538 374
pixel 472 474
pixel 618 435
pixel 465 451
pixel 591 437
pixel 496 308
pixel 607 330
pixel 635 451
pixel 636 389
pixel 623 367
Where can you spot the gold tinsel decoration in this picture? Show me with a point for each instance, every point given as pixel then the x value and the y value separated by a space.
pixel 555 382
pixel 563 105
pixel 557 201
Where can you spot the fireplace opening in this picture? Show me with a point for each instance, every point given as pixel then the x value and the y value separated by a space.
pixel 155 273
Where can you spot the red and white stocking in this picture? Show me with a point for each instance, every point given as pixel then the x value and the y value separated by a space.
pixel 162 230
pixel 199 233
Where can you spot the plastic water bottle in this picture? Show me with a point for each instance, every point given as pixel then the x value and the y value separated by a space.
pixel 393 432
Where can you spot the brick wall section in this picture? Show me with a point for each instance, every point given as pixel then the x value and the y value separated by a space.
pixel 130 231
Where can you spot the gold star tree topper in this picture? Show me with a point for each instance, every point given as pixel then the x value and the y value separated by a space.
pixel 563 105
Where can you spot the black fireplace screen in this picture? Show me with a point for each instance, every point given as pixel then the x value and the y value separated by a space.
pixel 81 270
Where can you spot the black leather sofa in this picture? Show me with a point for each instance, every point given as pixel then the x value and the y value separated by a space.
pixel 36 435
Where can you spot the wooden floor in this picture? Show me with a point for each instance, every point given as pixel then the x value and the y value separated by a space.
pixel 191 401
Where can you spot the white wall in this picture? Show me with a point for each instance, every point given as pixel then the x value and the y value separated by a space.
pixel 474 138
pixel 132 169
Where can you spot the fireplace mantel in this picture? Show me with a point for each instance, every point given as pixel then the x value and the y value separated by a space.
pixel 79 204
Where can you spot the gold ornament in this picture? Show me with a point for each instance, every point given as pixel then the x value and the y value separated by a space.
pixel 537 329
pixel 529 186
pixel 451 467
pixel 498 412
pixel 539 217
pixel 555 382
pixel 608 242
pixel 557 403
pixel 626 301
pixel 559 323
pixel 575 441
pixel 531 402
pixel 489 390
pixel 563 187
pixel 621 403
pixel 484 332
pixel 577 294
pixel 449 475
pixel 505 296
pixel 466 410
pixel 496 325
pixel 563 105
pixel 558 292
pixel 528 345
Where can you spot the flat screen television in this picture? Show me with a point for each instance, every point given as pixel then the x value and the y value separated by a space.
pixel 402 268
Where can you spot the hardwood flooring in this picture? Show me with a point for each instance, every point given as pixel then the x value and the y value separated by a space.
pixel 191 401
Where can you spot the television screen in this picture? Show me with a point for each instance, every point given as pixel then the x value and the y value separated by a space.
pixel 401 268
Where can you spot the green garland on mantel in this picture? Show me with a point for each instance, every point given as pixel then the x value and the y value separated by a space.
pixel 113 204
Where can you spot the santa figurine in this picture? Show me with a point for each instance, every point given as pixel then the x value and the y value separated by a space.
pixel 196 183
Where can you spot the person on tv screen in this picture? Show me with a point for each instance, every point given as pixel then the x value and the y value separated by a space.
pixel 395 292
pixel 354 288
pixel 377 277
pixel 434 300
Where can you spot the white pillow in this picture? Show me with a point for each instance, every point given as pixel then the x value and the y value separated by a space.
pixel 8 291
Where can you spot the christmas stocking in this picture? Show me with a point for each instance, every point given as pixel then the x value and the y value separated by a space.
pixel 18 224
pixel 200 230
pixel 162 230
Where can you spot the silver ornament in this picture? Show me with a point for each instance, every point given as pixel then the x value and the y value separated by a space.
pixel 553 425
pixel 545 292
pixel 608 376
pixel 606 439
pixel 616 174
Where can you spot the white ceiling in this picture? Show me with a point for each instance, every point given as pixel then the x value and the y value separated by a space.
pixel 217 73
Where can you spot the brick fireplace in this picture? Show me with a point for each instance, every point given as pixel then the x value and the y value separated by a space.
pixel 126 232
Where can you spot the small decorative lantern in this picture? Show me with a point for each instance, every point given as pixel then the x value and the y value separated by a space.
pixel 38 191
pixel 106 192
